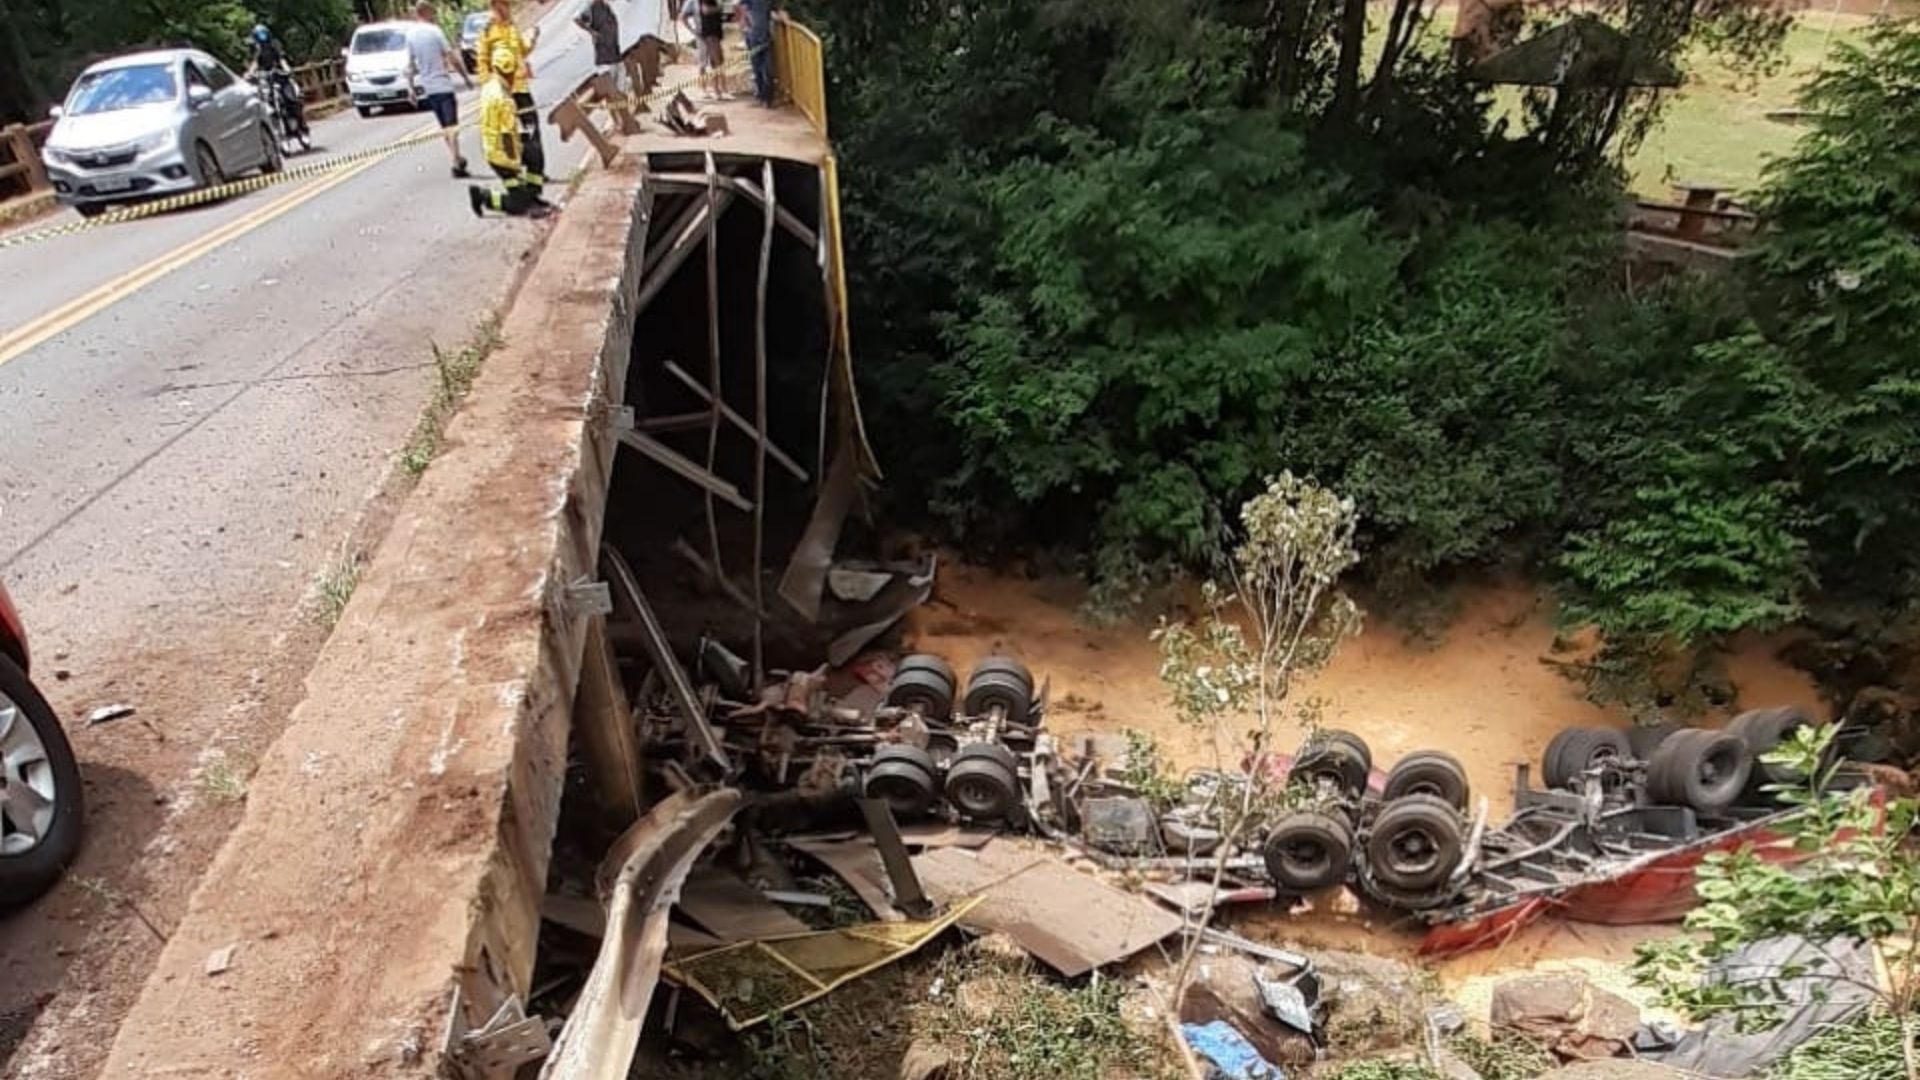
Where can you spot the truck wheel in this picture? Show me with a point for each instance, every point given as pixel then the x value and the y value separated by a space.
pixel 1416 844
pixel 1575 750
pixel 1763 730
pixel 1645 739
pixel 1706 770
pixel 998 689
pixel 924 689
pixel 983 781
pixel 905 777
pixel 40 802
pixel 1429 772
pixel 1307 851
pixel 1339 758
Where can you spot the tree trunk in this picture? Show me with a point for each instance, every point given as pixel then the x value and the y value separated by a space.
pixel 1346 72
pixel 20 92
pixel 1401 28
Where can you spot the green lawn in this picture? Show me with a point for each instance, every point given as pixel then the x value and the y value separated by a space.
pixel 1715 130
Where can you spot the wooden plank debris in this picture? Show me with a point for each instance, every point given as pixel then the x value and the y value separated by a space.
pixel 1070 921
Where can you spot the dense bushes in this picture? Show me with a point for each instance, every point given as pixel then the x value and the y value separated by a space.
pixel 1109 278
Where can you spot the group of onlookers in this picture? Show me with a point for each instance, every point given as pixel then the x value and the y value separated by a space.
pixel 707 19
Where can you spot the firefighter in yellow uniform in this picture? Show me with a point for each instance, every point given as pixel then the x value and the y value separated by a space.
pixel 501 139
pixel 501 33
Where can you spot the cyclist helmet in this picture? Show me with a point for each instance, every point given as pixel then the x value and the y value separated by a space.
pixel 260 34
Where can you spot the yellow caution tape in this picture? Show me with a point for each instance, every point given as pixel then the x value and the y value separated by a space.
pixel 287 174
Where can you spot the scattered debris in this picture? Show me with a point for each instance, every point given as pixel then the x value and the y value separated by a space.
pixel 1567 1014
pixel 1228 1051
pixel 219 960
pixel 1821 985
pixel 108 713
pixel 750 981
pixel 1067 919
pixel 731 909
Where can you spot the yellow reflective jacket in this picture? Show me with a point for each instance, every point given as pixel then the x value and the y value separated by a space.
pixel 495 35
pixel 499 125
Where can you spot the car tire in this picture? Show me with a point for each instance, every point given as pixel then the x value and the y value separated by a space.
pixel 1704 770
pixel 24 713
pixel 91 209
pixel 206 165
pixel 364 110
pixel 1416 844
pixel 1429 772
pixel 1307 851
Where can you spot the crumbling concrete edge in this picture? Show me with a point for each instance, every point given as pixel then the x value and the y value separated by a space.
pixel 395 844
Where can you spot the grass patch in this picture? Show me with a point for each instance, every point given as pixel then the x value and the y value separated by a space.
pixel 1715 127
pixel 222 778
pixel 1503 1057
pixel 1386 1070
pixel 334 587
pixel 1043 1030
pixel 456 373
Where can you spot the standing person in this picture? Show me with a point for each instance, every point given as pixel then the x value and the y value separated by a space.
pixel 501 138
pixel 709 26
pixel 433 60
pixel 501 33
pixel 757 16
pixel 600 23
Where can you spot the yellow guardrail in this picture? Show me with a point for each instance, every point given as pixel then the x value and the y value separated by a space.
pixel 800 62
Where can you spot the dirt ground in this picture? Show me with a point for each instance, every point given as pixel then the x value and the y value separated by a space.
pixel 1481 692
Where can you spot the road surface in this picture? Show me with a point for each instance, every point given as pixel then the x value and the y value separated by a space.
pixel 202 413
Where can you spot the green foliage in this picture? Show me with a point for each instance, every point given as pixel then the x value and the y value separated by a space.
pixel 1147 772
pixel 1052 1032
pixel 45 43
pixel 1503 1057
pixel 1868 1046
pixel 1385 1070
pixel 1855 881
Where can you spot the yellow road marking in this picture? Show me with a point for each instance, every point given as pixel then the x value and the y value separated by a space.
pixel 80 309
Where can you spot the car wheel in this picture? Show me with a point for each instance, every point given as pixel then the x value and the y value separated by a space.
pixel 270 151
pixel 364 110
pixel 91 209
pixel 39 791
pixel 208 166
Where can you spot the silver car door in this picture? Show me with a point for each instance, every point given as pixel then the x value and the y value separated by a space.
pixel 233 105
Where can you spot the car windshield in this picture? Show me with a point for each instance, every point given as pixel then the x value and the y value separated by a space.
pixel 122 88
pixel 379 41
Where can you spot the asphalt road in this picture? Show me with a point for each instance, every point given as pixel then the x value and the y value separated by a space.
pixel 197 410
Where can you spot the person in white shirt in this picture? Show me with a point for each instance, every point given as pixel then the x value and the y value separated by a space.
pixel 433 61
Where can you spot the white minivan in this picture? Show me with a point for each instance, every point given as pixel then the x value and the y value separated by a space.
pixel 378 67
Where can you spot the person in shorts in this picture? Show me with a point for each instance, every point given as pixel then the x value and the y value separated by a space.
pixel 709 25
pixel 603 28
pixel 433 61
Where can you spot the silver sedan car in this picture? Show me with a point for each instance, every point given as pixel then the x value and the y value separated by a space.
pixel 155 123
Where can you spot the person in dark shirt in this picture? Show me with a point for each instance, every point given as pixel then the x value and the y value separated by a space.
pixel 757 17
pixel 600 23
pixel 270 59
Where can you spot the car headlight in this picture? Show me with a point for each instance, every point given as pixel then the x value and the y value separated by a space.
pixel 55 155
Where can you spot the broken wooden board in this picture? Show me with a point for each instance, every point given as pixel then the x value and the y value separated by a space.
pixel 1070 921
pixel 732 910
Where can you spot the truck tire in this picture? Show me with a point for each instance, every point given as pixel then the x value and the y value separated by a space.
pixel 1340 757
pixel 40 829
pixel 1705 770
pixel 1307 851
pixel 922 689
pixel 1429 772
pixel 1416 844
pixel 1764 729
pixel 905 778
pixel 1575 750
